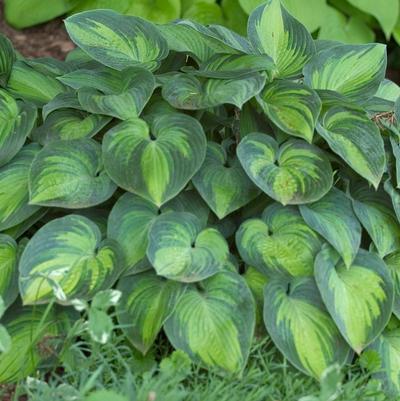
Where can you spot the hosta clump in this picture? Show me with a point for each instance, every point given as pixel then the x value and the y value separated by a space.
pixel 215 181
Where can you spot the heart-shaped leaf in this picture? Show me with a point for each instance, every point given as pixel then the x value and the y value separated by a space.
pixel 185 91
pixel 214 322
pixel 117 41
pixel 294 173
pixel 279 242
pixel 157 162
pixel 14 194
pixel 180 249
pixel 356 139
pixel 359 298
pixel 292 107
pixel 333 218
pixel 121 94
pixel 147 301
pixel 222 182
pixel 273 31
pixel 16 122
pixel 8 270
pixel 67 259
pixel 69 174
pixel 355 71
pixel 301 327
pixel 7 58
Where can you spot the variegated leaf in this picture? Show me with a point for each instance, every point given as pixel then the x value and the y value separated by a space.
pixel 16 122
pixel 375 213
pixel 294 173
pixel 155 162
pixel 359 298
pixel 301 327
pixel 65 100
pixel 278 243
pixel 273 31
pixel 66 259
pixel 222 182
pixel 147 301
pixel 214 322
pixel 393 263
pixel 292 107
pixel 355 71
pixel 333 218
pixel 356 139
pixel 185 91
pixel 7 58
pixel 117 41
pixel 14 194
pixel 69 174
pixel 8 269
pixel 180 249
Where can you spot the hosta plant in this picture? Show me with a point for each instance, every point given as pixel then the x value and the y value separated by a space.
pixel 223 185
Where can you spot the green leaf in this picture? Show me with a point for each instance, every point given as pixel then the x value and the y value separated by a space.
pixel 388 90
pixel 333 218
pixel 102 395
pixel 278 243
pixel 100 325
pixel 235 17
pixel 180 249
pixel 292 107
pixel 393 263
pixel 214 322
pixel 155 162
pixel 147 301
pixel 184 91
pixel 8 270
pixel 310 13
pixel 14 194
pixel 273 31
pixel 117 41
pixel 69 124
pixel 359 298
pixel 355 71
pixel 301 327
pixel 160 11
pixel 5 340
pixel 294 173
pixel 117 5
pixel 7 58
pixel 66 259
pixel 69 174
pixel 222 182
pixel 120 94
pixel 16 122
pixel 343 129
pixel 204 12
pixel 375 213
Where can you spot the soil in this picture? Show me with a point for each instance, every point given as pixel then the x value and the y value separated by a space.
pixel 45 40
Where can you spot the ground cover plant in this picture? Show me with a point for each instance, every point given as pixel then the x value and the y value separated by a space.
pixel 204 185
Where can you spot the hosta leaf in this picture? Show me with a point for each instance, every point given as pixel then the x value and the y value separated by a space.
pixel 18 230
pixel 69 174
pixel 14 194
pixel 117 41
pixel 32 84
pixel 69 124
pixel 352 70
pixel 359 298
pixel 374 211
pixel 8 270
pixel 147 301
pixel 180 249
pixel 294 173
pixel 222 182
pixel 16 122
pixel 333 218
pixel 117 5
pixel 279 242
pixel 129 223
pixel 301 327
pixel 121 94
pixel 292 107
pixel 204 12
pixel 273 31
pixel 155 162
pixel 388 90
pixel 185 91
pixel 33 331
pixel 356 139
pixel 214 322
pixel 235 17
pixel 311 14
pixel 393 263
pixel 7 58
pixel 66 258
pixel 159 11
